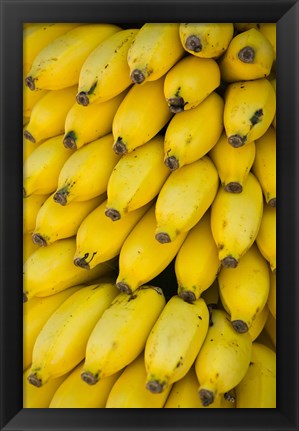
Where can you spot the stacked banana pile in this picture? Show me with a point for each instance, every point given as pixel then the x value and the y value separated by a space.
pixel 147 150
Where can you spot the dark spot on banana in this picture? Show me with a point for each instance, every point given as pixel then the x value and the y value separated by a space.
pixel 256 118
pixel 246 54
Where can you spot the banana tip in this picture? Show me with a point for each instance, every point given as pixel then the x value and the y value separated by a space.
pixel 229 262
pixel 206 397
pixel 154 386
pixel 25 299
pixel 82 98
pixel 124 287
pixel 39 240
pixel 119 147
pixel 193 43
pixel 240 326
pixel 81 263
pixel 113 214
pixel 69 141
pixel 246 54
pixel 187 295
pixel 272 202
pixel 233 187
pixel 29 81
pixel 28 136
pixel 163 237
pixel 89 378
pixel 137 76
pixel 34 380
pixel 176 104
pixel 236 141
pixel 60 198
pixel 172 163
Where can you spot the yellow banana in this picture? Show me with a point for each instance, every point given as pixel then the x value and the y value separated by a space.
pixel 129 390
pixel 236 219
pixel 59 63
pixel 190 135
pixel 31 206
pixel 54 222
pixel 136 179
pixel 272 294
pixel 105 72
pixel 142 257
pixel 140 116
pixel 174 342
pixel 266 238
pixel 268 29
pixel 264 166
pixel 30 98
pixel 35 314
pixel 206 40
pixel 184 198
pixel 48 115
pixel 189 82
pixel 41 169
pixel 249 110
pixel 270 327
pixel 50 270
pixel 28 246
pixel 86 173
pixel 223 359
pixel 273 83
pixel 258 323
pixel 197 263
pixel 112 344
pixel 258 387
pixel 86 124
pixel 99 239
pixel 232 164
pixel 74 393
pixel 61 343
pixel 249 56
pixel 154 50
pixel 244 290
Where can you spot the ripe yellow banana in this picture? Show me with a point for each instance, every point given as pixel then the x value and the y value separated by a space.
pixel 244 290
pixel 31 206
pixel 189 82
pixel 268 29
pixel 259 323
pixel 232 164
pixel 74 393
pixel 190 135
pixel 249 110
pixel 41 169
pixel 59 63
pixel 48 115
pixel 61 343
pixel 86 124
pixel 272 294
pixel 129 390
pixel 86 173
pixel 223 359
pixel 264 166
pixel 29 100
pixel 136 179
pixel 258 387
pixel 140 116
pixel 28 246
pixel 197 263
pixel 236 219
pixel 249 56
pixel 154 50
pixel 112 344
pixel 142 257
pixel 206 40
pixel 266 238
pixel 99 238
pixel 105 73
pixel 184 198
pixel 54 222
pixel 174 342
pixel 50 270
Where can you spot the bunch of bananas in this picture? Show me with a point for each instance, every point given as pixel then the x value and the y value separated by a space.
pixel 149 160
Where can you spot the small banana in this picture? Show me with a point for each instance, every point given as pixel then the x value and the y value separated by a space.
pixel 31 206
pixel 272 294
pixel 259 323
pixel 266 238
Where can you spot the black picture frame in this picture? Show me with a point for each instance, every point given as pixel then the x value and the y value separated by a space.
pixel 13 14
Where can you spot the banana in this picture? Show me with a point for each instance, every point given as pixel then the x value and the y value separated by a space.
pixel 86 124
pixel 142 257
pixel 197 263
pixel 59 63
pixel 258 387
pixel 28 146
pixel 42 167
pixel 136 179
pixel 86 173
pixel 154 50
pixel 140 116
pixel 99 239
pixel 74 393
pixel 54 222
pixel 235 220
pixel 35 314
pixel 244 290
pixel 232 164
pixel 223 359
pixel 30 98
pixel 268 29
pixel 271 302
pixel 61 343
pixel 258 323
pixel 105 73
pixel 50 270
pixel 206 40
pixel 31 206
pixel 264 166
pixel 184 198
pixel 249 56
pixel 112 344
pixel 28 246
pixel 129 390
pixel 249 110
pixel 270 327
pixel 174 342
pixel 190 135
pixel 266 238
pixel 48 115
pixel 273 83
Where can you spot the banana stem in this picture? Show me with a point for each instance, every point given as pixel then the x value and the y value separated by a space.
pixel 113 214
pixel 163 237
pixel 124 287
pixel 89 378
pixel 193 43
pixel 69 141
pixel 82 98
pixel 240 326
pixel 39 240
pixel 172 163
pixel 233 187
pixel 176 104
pixel 206 397
pixel 229 262
pixel 119 147
pixel 34 380
pixel 137 76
